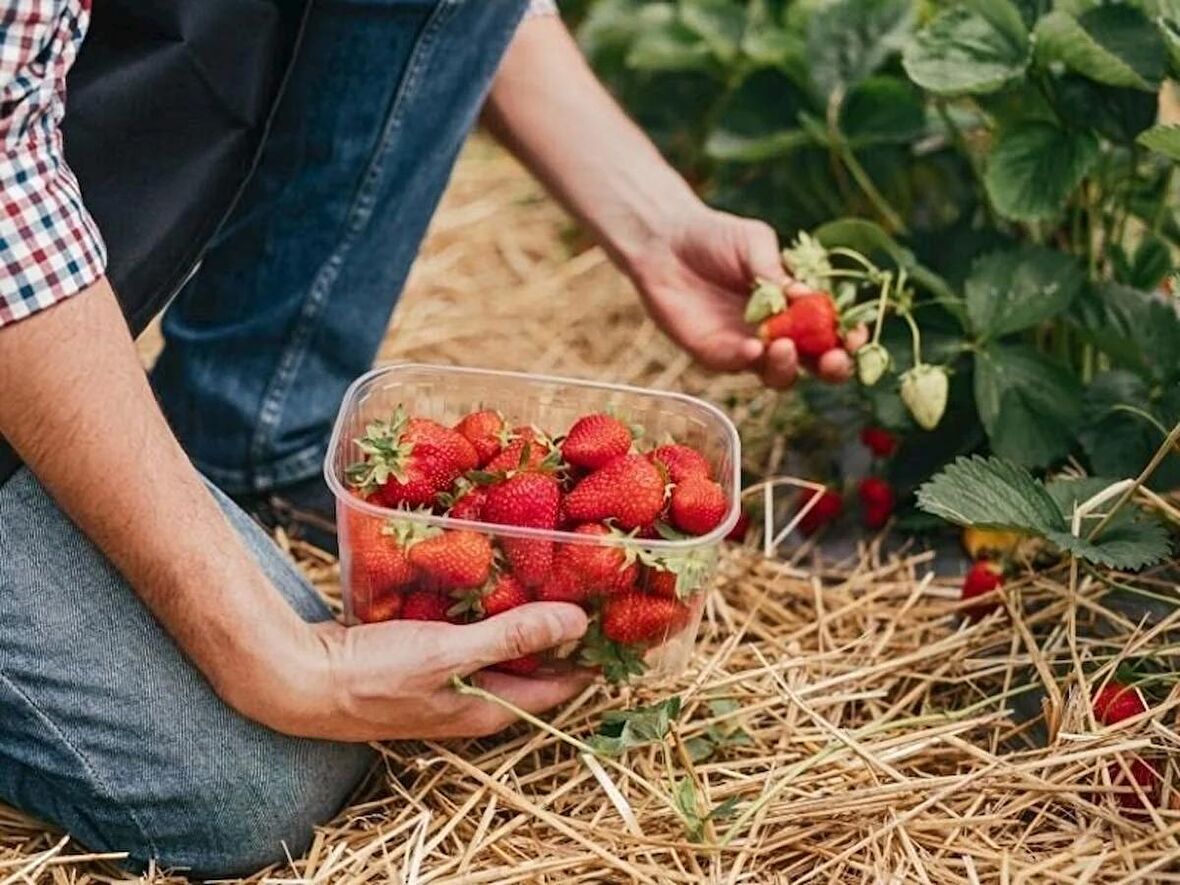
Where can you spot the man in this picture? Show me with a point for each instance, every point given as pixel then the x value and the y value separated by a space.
pixel 169 684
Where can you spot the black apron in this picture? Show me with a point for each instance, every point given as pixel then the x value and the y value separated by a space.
pixel 167 106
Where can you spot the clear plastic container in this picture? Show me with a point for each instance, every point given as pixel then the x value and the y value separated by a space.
pixel 445 394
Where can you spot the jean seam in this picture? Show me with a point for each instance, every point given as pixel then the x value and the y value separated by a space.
pixel 359 214
pixel 239 482
pixel 82 759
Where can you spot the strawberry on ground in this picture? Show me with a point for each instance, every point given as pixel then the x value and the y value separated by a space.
pixel 629 490
pixel 811 322
pixel 453 560
pixel 1143 773
pixel 594 440
pixel 484 430
pixel 523 666
pixel 877 501
pixel 636 618
pixel 1117 701
pixel 740 528
pixel 825 510
pixel 984 579
pixel 680 462
pixel 698 505
pixel 879 441
pixel 529 500
pixel 426 605
pixel 602 569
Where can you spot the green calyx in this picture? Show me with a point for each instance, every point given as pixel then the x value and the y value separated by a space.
pixel 385 454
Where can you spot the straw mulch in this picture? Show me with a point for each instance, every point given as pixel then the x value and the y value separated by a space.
pixel 863 731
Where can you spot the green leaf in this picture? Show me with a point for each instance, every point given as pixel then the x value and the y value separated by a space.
pixel 1125 421
pixel 1116 45
pixel 758 119
pixel 1151 263
pixel 1127 544
pixel 1116 112
pixel 1015 290
pixel 967 52
pixel 1134 329
pixel 1035 167
pixel 1163 139
pixel 1030 406
pixel 991 493
pixel 1169 26
pixel 720 23
pixel 847 40
pixel 623 730
pixel 882 110
pixel 670 47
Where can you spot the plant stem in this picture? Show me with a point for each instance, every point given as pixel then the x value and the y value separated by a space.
pixel 889 215
pixel 883 303
pixel 916 335
pixel 1158 220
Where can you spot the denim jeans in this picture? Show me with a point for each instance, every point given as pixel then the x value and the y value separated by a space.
pixel 294 297
pixel 106 730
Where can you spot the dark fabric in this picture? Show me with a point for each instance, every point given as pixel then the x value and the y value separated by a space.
pixel 167 106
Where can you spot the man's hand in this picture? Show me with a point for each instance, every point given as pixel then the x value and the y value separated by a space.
pixel 695 279
pixel 393 680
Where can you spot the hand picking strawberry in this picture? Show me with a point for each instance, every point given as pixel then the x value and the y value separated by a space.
pixel 572 515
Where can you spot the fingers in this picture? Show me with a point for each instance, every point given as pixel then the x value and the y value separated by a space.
pixel 521 631
pixel 836 366
pixel 763 258
pixel 728 351
pixel 779 366
pixel 795 289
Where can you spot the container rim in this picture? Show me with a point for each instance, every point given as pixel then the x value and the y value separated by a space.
pixel 446 522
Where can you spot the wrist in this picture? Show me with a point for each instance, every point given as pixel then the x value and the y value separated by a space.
pixel 649 223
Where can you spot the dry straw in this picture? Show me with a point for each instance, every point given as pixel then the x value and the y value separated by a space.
pixel 875 737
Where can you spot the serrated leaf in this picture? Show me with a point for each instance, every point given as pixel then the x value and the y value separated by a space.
pixel 991 493
pixel 1128 545
pixel 1116 45
pixel 848 40
pixel 1125 421
pixel 1035 167
pixel 1018 289
pixel 882 110
pixel 623 730
pixel 1030 406
pixel 1163 139
pixel 1136 330
pixel 758 119
pixel 964 51
pixel 1117 112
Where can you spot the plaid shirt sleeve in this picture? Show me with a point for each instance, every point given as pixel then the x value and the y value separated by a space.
pixel 50 247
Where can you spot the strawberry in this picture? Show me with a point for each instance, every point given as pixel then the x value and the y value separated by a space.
pixel 879 441
pixel 1143 773
pixel 466 503
pixel 600 568
pixel 924 391
pixel 594 440
pixel 660 582
pixel 453 560
pixel 563 585
pixel 877 500
pixel 484 430
pixel 540 450
pixel 740 529
pixel 629 490
pixel 531 500
pixel 982 579
pixel 698 505
pixel 377 549
pixel 681 462
pixel 524 666
pixel 827 509
pixel 639 618
pixel 504 593
pixel 427 605
pixel 811 322
pixel 1117 701
pixel 371 607
pixel 407 461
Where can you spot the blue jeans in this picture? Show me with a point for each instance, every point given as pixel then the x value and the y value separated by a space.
pixel 106 730
pixel 294 297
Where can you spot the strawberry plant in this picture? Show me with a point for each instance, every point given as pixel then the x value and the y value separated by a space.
pixel 996 177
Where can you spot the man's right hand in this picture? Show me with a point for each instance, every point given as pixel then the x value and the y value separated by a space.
pixel 394 680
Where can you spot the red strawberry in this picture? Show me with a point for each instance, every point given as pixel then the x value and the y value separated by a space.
pixel 827 509
pixel 540 448
pixel 681 462
pixel 740 529
pixel 639 618
pixel 407 461
pixel 468 503
pixel 602 569
pixel 378 557
pixel 504 593
pixel 484 430
pixel 698 505
pixel 1117 701
pixel 811 322
pixel 879 441
pixel 594 440
pixel 629 490
pixel 453 560
pixel 982 580
pixel 427 605
pixel 371 607
pixel 660 582
pixel 525 666
pixel 877 500
pixel 1143 773
pixel 563 585
pixel 532 500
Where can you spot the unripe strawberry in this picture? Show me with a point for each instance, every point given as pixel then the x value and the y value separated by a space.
pixel 924 392
pixel 872 362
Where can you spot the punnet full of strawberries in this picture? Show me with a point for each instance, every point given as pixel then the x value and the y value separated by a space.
pixel 597 482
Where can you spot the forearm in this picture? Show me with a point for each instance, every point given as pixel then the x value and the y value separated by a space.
pixel 77 408
pixel 547 106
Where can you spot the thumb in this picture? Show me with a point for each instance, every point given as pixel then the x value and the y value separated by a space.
pixel 518 632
